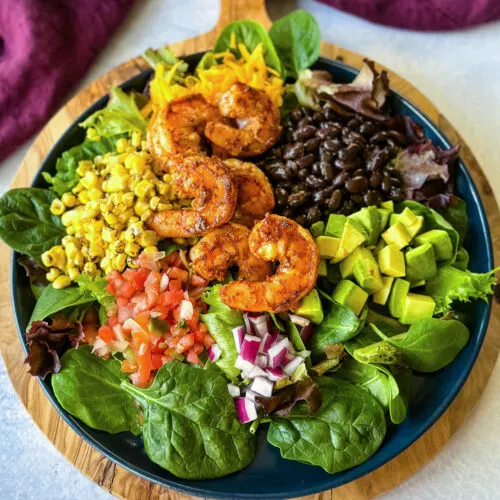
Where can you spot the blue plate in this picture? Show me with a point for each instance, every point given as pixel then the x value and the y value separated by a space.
pixel 270 476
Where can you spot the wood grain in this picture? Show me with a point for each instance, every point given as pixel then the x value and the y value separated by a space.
pixel 124 484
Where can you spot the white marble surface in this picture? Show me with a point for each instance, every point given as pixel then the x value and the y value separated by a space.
pixel 459 72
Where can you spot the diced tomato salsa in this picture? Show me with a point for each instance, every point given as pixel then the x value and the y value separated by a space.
pixel 157 317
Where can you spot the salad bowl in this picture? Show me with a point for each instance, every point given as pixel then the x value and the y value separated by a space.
pixel 270 476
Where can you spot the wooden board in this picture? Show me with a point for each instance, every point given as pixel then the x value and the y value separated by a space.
pixel 124 484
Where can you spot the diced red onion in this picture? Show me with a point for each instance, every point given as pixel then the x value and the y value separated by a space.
pixel 246 410
pixel 262 386
pixel 234 390
pixel 119 345
pixel 292 365
pixel 275 374
pixel 306 332
pixel 254 372
pixel 243 365
pixel 125 312
pixel 118 331
pixel 247 323
pixel 260 324
pixel 100 347
pixel 278 352
pixel 261 360
pixel 267 341
pixel 186 310
pixel 214 352
pixel 164 281
pixel 250 348
pixel 251 395
pixel 135 378
pixel 238 335
pixel 155 314
pixel 299 320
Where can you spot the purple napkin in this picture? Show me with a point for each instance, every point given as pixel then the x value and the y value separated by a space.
pixel 424 15
pixel 46 46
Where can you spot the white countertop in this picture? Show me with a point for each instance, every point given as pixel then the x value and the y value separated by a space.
pixel 458 71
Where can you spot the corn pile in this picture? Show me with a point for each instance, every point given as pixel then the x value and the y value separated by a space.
pixel 106 211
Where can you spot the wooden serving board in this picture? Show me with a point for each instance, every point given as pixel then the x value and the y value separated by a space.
pixel 125 484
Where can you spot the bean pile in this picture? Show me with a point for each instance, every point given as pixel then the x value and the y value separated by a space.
pixel 326 162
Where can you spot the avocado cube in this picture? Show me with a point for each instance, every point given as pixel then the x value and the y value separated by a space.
pixel 322 268
pixel 396 235
pixel 420 263
pixel 407 217
pixel 415 228
pixel 369 219
pixel 335 225
pixel 327 246
pixel 311 308
pixel 384 215
pixel 352 237
pixel 399 291
pixel 382 296
pixel 440 241
pixel 351 295
pixel 388 205
pixel 317 229
pixel 417 307
pixel 411 222
pixel 348 263
pixel 367 273
pixel 392 261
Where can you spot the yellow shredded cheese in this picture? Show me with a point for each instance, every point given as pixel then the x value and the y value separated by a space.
pixel 250 69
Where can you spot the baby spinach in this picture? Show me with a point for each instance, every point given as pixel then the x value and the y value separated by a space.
pixel 345 431
pixel 250 34
pixel 88 387
pixel 456 214
pixel 297 40
pixel 190 424
pixel 430 344
pixel 26 222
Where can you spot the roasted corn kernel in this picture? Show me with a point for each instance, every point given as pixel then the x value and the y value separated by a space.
pixel 61 282
pixel 57 207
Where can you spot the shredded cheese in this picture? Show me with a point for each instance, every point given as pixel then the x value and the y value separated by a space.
pixel 250 68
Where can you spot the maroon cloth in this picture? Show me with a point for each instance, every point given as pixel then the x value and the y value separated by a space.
pixel 424 15
pixel 46 46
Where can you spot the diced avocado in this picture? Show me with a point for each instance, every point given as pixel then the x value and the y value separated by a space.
pixel 317 229
pixel 369 218
pixel 382 295
pixel 392 261
pixel 396 235
pixel 393 219
pixel 407 217
pixel 348 263
pixel 350 295
pixel 388 205
pixel 352 237
pixel 384 215
pixel 311 308
pixel 322 268
pixel 397 297
pixel 335 225
pixel 158 326
pixel 415 228
pixel 327 246
pixel 462 259
pixel 367 274
pixel 416 284
pixel 420 263
pixel 417 307
pixel 411 222
pixel 380 244
pixel 440 241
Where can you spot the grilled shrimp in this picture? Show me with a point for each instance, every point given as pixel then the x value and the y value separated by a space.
pixel 281 239
pixel 223 248
pixel 209 182
pixel 178 127
pixel 255 194
pixel 257 122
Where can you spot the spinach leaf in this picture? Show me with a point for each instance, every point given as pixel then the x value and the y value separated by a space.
pixel 26 222
pixel 88 387
pixel 120 116
pixel 296 339
pixel 451 283
pixel 456 214
pixel 66 177
pixel 297 40
pixel 278 323
pixel 462 259
pixel 430 344
pixel 250 34
pixel 220 320
pixel 190 423
pixel 347 429
pixel 339 325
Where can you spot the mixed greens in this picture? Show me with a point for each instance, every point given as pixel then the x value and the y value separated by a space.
pixel 135 341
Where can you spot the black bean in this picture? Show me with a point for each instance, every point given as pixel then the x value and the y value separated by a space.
pixel 335 200
pixel 280 174
pixel 359 171
pixel 307 120
pixel 349 153
pixel 340 180
pixel 396 194
pixel 375 179
pixel 331 145
pixel 320 197
pixel 318 116
pixel 296 115
pixel 347 165
pixel 305 133
pixel 287 212
pixel 377 160
pixel 357 199
pixel 300 186
pixel 294 151
pixel 352 137
pixel 367 129
pixel 372 197
pixel 281 196
pixel 301 219
pixel 302 173
pixel 313 215
pixel 395 181
pixel 357 184
pixel 354 123
pixel 326 170
pixel 316 169
pixel 326 156
pixel 329 114
pixel 386 183
pixel 347 207
pixel 312 145
pixel 306 161
pixel 298 199
pixel 315 182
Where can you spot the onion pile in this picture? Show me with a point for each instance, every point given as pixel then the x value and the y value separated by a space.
pixel 264 356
